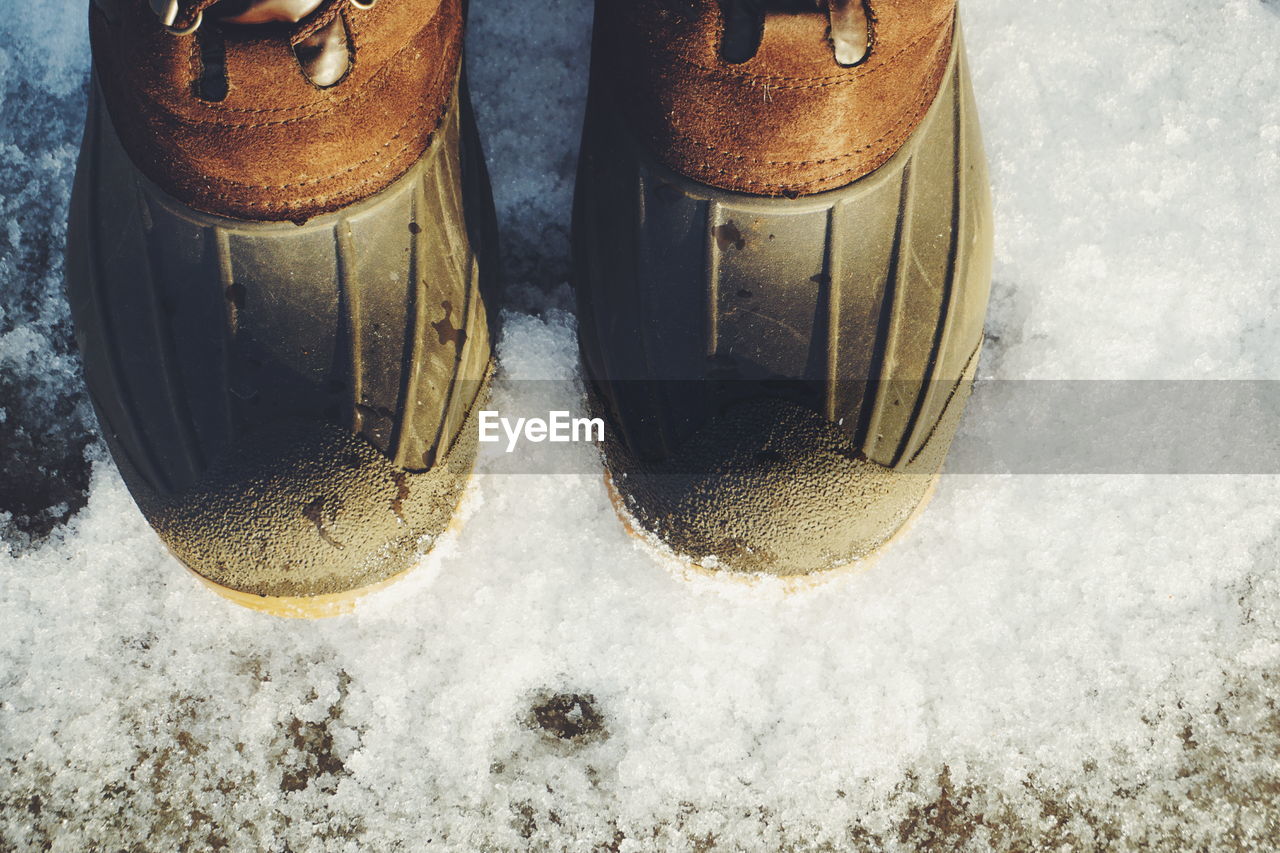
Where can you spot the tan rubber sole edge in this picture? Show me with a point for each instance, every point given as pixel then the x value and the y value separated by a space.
pixel 299 606
pixel 687 570
pixel 336 603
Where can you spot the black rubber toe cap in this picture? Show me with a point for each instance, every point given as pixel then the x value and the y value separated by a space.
pixel 768 486
pixel 305 509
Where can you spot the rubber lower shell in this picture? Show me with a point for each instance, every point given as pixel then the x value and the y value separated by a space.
pixel 289 403
pixel 782 377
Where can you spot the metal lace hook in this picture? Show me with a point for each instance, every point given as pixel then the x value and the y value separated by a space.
pixel 170 14
pixel 850 30
pixel 744 21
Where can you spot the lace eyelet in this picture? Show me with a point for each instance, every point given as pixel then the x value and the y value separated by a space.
pixel 366 5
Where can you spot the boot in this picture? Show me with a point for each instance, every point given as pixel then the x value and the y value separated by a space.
pixel 280 244
pixel 783 246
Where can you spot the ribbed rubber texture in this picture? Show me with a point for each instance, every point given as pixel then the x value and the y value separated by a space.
pixel 710 319
pixel 216 350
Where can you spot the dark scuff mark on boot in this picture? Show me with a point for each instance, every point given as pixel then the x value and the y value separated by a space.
pixel 314 513
pixel 769 457
pixel 376 411
pixel 853 454
pixel 378 419
pixel 728 235
pixel 445 328
pixel 401 479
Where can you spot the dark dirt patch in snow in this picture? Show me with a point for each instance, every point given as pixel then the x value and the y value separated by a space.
pixel 569 716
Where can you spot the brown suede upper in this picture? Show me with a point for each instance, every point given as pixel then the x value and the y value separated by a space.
pixel 789 121
pixel 278 147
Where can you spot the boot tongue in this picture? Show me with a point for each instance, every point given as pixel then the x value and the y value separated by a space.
pixel 263 11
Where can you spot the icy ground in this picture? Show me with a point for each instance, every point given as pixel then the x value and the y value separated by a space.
pixel 1043 660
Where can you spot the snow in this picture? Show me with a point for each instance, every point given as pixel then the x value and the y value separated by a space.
pixel 1041 661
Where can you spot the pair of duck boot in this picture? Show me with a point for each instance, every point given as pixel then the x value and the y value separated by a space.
pixel 282 269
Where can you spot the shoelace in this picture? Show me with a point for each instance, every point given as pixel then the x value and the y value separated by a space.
pixel 851 35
